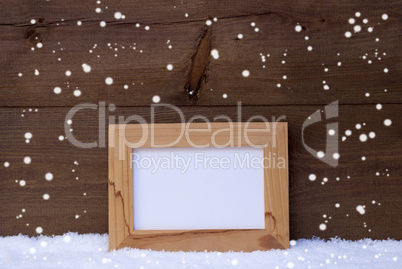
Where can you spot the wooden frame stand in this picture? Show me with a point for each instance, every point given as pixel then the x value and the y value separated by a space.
pixel 271 137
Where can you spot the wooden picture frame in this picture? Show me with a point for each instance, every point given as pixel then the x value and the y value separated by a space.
pixel 272 137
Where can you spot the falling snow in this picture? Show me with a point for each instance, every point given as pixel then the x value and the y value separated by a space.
pixel 57 90
pixel 27 160
pixel 156 99
pixel 86 68
pixel 387 122
pixel 109 81
pixel 49 176
pixel 215 54
pixel 360 209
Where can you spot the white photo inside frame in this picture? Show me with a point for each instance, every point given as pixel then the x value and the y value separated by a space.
pixel 193 188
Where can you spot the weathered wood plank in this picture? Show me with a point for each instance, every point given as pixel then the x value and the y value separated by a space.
pixel 323 22
pixel 20 13
pixel 309 200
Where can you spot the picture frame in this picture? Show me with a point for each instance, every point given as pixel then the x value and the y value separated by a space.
pixel 271 137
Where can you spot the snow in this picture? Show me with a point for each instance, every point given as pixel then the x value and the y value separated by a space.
pixel 363 137
pixel 28 135
pixel 387 122
pixel 117 15
pixel 91 251
pixel 215 54
pixel 27 160
pixel 77 93
pixel 156 99
pixel 49 176
pixel 109 81
pixel 357 28
pixel 86 68
pixel 245 73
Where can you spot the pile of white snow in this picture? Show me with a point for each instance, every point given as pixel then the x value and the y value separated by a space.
pixel 91 251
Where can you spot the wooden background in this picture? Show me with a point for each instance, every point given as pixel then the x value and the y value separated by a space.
pixel 138 58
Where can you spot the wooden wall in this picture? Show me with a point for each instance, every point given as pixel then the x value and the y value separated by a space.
pixel 138 58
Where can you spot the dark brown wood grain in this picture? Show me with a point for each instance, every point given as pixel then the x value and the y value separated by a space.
pixel 141 63
pixel 324 24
